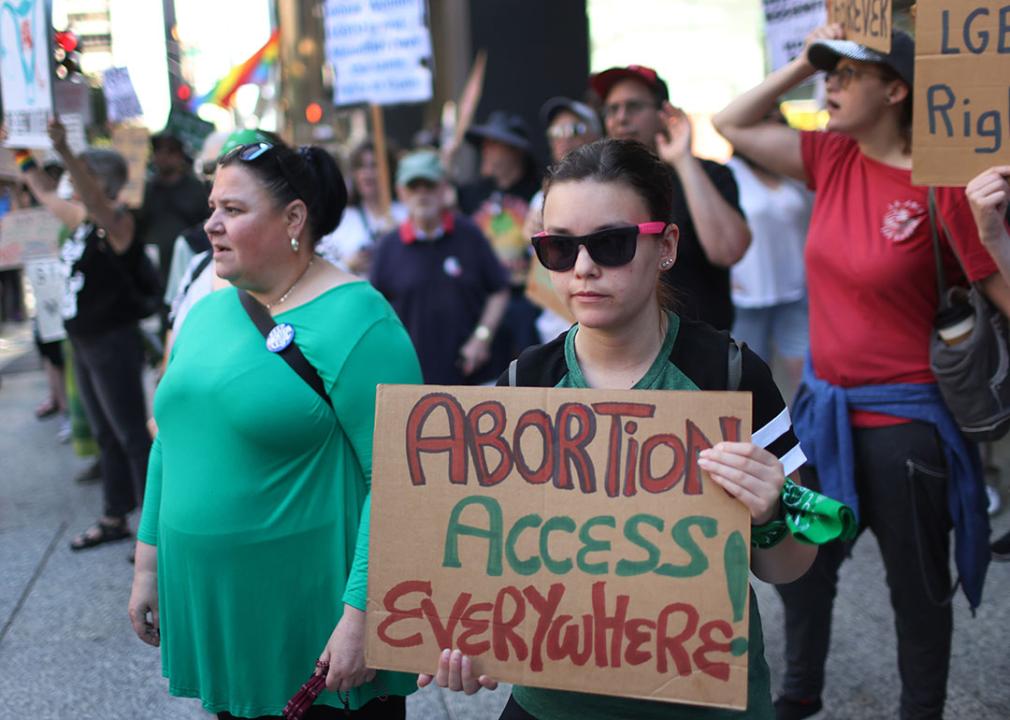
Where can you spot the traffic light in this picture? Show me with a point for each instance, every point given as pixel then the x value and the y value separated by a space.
pixel 66 55
pixel 183 92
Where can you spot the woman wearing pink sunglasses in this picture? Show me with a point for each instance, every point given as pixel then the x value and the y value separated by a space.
pixel 608 236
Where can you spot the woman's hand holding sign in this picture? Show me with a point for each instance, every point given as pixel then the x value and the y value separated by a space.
pixel 455 672
pixel 749 473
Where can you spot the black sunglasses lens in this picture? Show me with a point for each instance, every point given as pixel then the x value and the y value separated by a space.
pixel 613 248
pixel 555 252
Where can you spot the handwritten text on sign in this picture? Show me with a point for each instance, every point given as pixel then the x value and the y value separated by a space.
pixel 962 90
pixel 25 66
pixel 867 22
pixel 562 538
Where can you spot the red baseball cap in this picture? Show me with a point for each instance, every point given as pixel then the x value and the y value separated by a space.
pixel 604 81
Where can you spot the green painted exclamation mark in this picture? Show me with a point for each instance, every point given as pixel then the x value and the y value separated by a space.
pixel 737 583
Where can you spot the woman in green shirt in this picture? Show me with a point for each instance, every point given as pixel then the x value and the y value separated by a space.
pixel 608 236
pixel 253 543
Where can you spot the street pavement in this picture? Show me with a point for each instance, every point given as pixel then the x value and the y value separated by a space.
pixel 67 651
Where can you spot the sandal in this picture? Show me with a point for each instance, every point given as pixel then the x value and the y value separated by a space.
pixel 47 408
pixel 101 532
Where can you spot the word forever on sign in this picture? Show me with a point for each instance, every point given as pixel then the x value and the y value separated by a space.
pixel 544 531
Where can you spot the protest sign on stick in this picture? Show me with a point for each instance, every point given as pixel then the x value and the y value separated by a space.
pixel 380 52
pixel 120 97
pixel 561 538
pixel 962 92
pixel 28 235
pixel 867 22
pixel 134 144
pixel 26 68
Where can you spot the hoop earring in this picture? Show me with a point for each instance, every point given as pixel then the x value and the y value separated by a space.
pixel 295 245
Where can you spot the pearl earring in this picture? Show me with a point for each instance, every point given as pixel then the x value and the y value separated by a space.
pixel 295 245
pixel 666 264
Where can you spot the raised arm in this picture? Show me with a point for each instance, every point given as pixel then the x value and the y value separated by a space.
pixel 43 187
pixel 118 224
pixel 722 231
pixel 743 122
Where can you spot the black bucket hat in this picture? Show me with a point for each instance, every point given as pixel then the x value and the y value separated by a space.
pixel 507 128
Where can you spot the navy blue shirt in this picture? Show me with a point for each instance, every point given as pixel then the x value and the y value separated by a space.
pixel 438 287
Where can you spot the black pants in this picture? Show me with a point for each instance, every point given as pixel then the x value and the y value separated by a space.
pixel 108 367
pixel 901 479
pixel 393 707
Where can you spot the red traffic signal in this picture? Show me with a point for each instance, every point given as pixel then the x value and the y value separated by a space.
pixel 66 40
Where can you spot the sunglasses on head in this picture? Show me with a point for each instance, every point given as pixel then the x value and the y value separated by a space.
pixel 612 247
pixel 253 152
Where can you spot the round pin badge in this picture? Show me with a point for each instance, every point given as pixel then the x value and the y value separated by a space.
pixel 280 337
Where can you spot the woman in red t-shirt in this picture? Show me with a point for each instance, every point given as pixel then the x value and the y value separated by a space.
pixel 872 291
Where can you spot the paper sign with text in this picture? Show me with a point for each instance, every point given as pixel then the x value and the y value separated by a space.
pixel 380 51
pixel 48 279
pixel 867 22
pixel 134 144
pixel 563 539
pixel 28 235
pixel 120 97
pixel 26 70
pixel 962 90
pixel 787 24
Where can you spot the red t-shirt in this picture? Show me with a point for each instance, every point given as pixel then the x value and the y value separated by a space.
pixel 870 271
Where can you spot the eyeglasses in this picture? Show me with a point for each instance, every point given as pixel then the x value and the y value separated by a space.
pixel 630 107
pixel 567 130
pixel 253 152
pixel 843 76
pixel 612 247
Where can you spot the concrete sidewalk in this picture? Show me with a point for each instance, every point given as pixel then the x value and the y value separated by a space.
pixel 67 651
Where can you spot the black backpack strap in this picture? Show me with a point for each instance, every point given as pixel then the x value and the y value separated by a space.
pixel 734 368
pixel 292 354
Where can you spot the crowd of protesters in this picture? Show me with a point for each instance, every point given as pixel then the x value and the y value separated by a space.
pixel 255 493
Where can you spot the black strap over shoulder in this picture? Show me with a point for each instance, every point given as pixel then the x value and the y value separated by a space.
pixel 292 354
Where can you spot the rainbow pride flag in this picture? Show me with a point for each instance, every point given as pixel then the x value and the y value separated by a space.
pixel 253 70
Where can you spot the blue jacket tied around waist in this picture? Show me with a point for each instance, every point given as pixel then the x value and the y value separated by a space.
pixel 821 421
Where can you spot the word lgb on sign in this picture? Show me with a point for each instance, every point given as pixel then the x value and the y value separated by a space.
pixel 962 90
pixel 561 538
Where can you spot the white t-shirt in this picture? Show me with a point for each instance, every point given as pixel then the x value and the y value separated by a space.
pixel 771 271
pixel 192 289
pixel 358 229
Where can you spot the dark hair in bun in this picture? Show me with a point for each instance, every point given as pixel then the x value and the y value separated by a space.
pixel 308 174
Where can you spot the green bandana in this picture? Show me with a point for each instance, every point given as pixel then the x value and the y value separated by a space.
pixel 812 518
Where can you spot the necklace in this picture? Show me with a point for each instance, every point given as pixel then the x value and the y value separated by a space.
pixel 293 285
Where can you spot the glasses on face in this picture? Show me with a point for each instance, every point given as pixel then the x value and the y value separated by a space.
pixel 842 76
pixel 630 107
pixel 612 247
pixel 253 153
pixel 566 130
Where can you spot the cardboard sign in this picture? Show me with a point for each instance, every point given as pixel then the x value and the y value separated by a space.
pixel 561 538
pixel 120 98
pixel 28 235
pixel 189 128
pixel 48 280
pixel 26 69
pixel 787 24
pixel 134 144
pixel 379 51
pixel 962 102
pixel 867 22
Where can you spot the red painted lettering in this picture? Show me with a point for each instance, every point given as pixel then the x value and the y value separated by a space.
pixel 696 442
pixel 545 607
pixel 718 670
pixel 474 627
pixel 563 639
pixel 571 447
pixel 397 613
pixel 668 480
pixel 617 412
pixel 503 632
pixel 603 623
pixel 675 645
pixel 454 443
pixel 541 421
pixel 492 438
